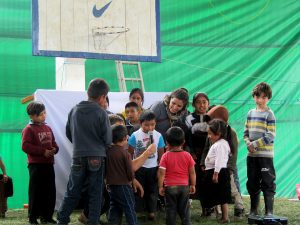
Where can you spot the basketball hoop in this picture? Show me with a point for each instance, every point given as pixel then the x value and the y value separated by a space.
pixel 104 36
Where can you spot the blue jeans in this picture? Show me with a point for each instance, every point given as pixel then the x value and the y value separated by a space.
pixel 121 200
pixel 177 201
pixel 82 169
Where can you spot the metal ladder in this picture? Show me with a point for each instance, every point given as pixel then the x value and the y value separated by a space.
pixel 130 76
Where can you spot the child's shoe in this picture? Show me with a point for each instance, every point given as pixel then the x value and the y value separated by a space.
pixel 82 219
pixel 151 216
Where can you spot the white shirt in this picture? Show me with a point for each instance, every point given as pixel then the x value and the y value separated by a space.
pixel 140 141
pixel 217 156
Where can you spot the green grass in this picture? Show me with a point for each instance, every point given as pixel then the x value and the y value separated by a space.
pixel 283 207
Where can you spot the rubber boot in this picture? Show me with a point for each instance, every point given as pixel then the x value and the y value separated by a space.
pixel 269 202
pixel 253 215
pixel 254 204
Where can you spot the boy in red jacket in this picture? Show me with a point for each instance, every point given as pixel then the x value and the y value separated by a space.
pixel 39 144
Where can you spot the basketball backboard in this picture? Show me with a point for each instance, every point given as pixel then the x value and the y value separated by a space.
pixel 103 29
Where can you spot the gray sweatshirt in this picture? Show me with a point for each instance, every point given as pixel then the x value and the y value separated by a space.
pixel 88 128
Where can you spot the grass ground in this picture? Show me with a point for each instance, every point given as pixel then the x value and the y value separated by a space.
pixel 283 207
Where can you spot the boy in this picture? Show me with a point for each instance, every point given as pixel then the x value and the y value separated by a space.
pixel 175 170
pixel 132 117
pixel 39 144
pixel 259 136
pixel 89 130
pixel 3 199
pixel 116 119
pixel 119 178
pixel 147 174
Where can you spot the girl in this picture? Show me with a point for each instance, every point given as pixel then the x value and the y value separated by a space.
pixel 136 95
pixel 217 177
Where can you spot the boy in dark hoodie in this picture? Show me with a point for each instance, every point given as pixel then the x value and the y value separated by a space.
pixel 88 128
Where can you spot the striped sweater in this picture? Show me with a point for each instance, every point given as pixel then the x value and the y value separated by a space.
pixel 260 132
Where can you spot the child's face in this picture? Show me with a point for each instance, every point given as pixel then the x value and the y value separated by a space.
pixel 213 137
pixel 261 100
pixel 148 125
pixel 201 105
pixel 175 105
pixel 38 118
pixel 137 98
pixel 132 114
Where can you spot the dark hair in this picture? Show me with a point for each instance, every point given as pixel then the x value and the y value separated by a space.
pixel 114 118
pixel 199 94
pixel 224 130
pixel 35 108
pixel 107 100
pixel 132 104
pixel 97 87
pixel 262 88
pixel 175 136
pixel 147 115
pixel 182 95
pixel 218 127
pixel 119 132
pixel 139 91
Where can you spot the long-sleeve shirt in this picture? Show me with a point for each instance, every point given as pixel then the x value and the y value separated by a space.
pixel 119 166
pixel 260 132
pixel 36 139
pixel 217 156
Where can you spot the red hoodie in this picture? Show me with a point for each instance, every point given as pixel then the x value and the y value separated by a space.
pixel 36 139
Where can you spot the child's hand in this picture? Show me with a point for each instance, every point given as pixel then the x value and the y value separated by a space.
pixel 5 178
pixel 192 189
pixel 49 153
pixel 215 177
pixel 251 148
pixel 151 149
pixel 137 187
pixel 162 191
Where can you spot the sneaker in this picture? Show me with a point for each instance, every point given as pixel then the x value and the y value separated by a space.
pixel 82 219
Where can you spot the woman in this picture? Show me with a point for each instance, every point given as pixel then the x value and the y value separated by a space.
pixel 170 110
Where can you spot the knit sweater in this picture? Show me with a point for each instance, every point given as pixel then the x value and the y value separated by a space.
pixel 260 132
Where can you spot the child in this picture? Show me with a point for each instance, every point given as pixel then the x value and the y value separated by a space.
pixel 196 140
pixel 3 199
pixel 89 130
pixel 136 95
pixel 116 119
pixel 176 169
pixel 259 136
pixel 119 178
pixel 217 178
pixel 132 117
pixel 147 174
pixel 39 144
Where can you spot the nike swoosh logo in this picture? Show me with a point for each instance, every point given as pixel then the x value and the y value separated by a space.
pixel 98 12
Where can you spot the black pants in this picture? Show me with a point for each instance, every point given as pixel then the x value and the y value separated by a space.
pixel 42 191
pixel 148 179
pixel 261 176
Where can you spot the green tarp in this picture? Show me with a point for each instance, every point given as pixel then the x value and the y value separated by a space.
pixel 221 47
